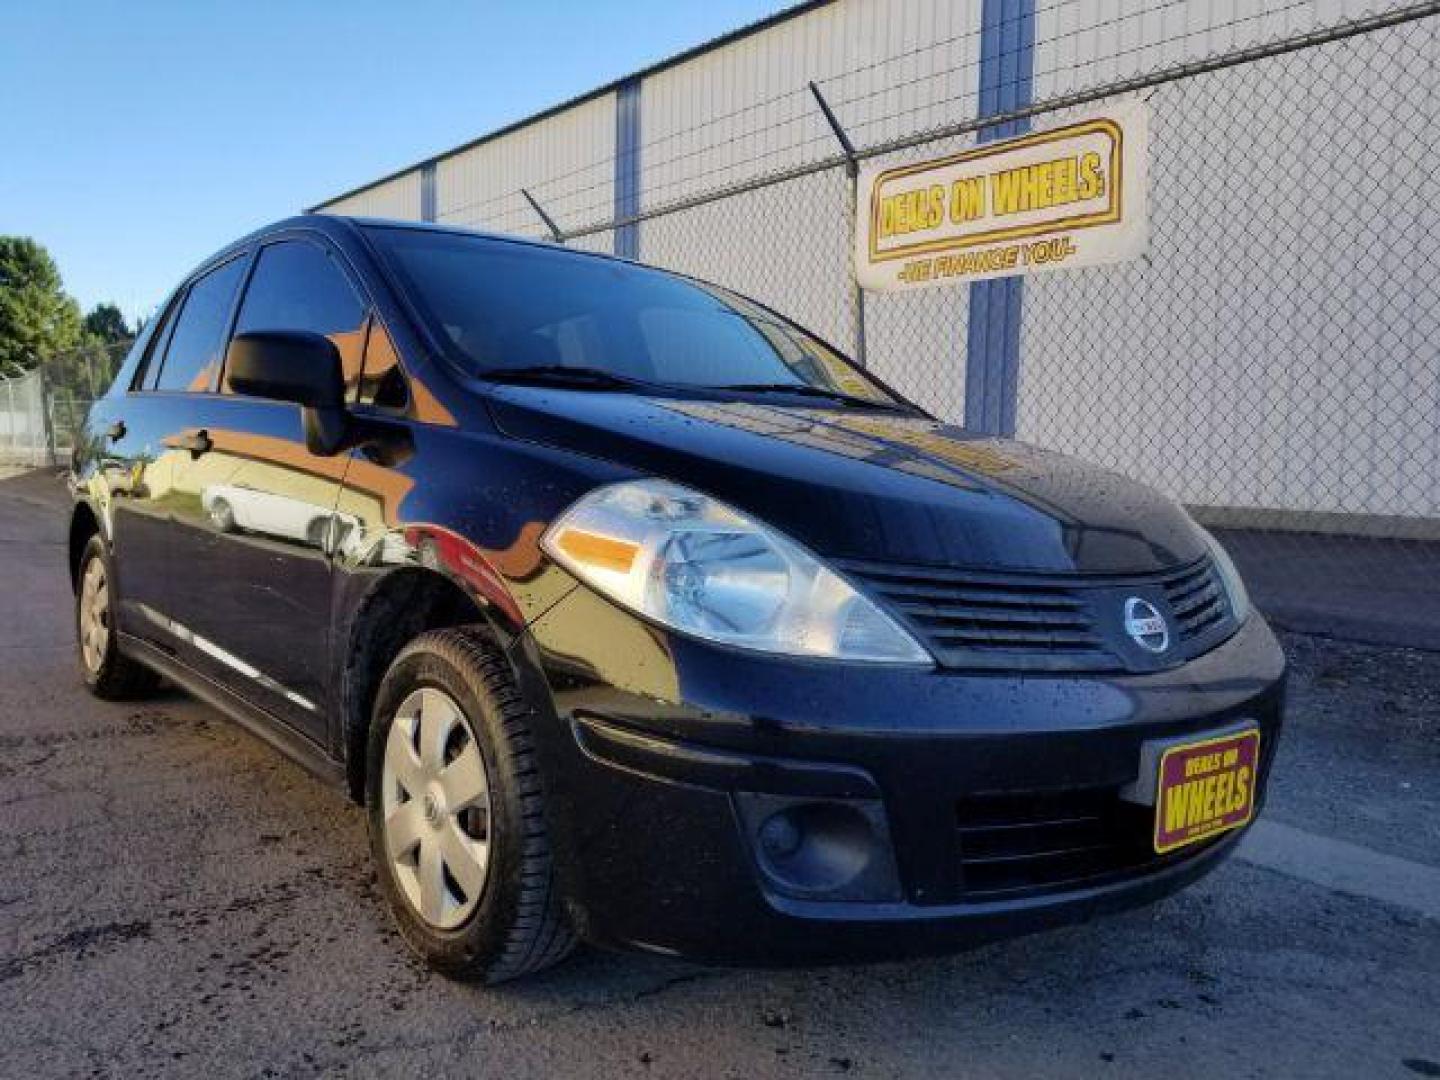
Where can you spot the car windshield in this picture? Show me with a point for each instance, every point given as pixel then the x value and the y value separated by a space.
pixel 508 309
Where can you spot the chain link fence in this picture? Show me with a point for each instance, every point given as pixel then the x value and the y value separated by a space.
pixel 24 429
pixel 43 410
pixel 1272 361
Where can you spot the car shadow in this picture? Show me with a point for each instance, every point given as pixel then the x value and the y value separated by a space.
pixel 1068 960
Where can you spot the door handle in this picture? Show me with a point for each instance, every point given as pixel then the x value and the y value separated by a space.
pixel 197 442
pixel 116 431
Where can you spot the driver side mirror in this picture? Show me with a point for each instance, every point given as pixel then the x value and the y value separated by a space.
pixel 298 366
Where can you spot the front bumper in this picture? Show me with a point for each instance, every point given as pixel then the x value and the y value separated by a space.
pixel 655 749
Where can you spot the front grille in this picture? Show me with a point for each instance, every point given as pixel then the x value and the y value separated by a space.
pixel 1053 622
pixel 1015 844
pixel 1196 599
pixel 956 610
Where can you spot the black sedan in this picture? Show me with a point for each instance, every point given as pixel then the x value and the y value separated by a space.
pixel 633 613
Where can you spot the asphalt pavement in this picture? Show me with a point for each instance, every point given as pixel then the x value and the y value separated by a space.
pixel 177 899
pixel 1359 588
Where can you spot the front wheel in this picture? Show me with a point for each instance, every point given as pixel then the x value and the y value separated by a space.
pixel 108 673
pixel 455 810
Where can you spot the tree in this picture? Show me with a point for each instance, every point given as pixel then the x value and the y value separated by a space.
pixel 107 323
pixel 37 319
pixel 82 371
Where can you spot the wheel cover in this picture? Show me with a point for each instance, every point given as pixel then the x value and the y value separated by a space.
pixel 435 808
pixel 94 621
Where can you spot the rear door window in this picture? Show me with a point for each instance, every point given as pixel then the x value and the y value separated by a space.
pixel 149 373
pixel 196 342
pixel 299 286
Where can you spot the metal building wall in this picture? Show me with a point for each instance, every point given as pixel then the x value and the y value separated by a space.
pixel 395 198
pixel 1271 350
pixel 744 110
pixel 1085 43
pixel 565 160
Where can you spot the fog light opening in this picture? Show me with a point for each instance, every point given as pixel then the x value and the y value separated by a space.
pixel 820 847
pixel 817 848
pixel 780 836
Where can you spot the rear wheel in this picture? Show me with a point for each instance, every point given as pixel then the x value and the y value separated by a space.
pixel 108 673
pixel 456 816
pixel 222 516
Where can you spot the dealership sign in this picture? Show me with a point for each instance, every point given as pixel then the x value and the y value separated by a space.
pixel 1049 200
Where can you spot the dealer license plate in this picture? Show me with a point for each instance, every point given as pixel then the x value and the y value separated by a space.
pixel 1206 788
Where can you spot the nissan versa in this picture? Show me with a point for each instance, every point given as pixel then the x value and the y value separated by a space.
pixel 635 614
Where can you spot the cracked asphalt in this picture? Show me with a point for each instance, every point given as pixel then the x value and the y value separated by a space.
pixel 177 899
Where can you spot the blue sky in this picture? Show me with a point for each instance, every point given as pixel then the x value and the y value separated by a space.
pixel 136 138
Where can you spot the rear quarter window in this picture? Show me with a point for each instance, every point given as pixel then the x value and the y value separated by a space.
pixel 196 341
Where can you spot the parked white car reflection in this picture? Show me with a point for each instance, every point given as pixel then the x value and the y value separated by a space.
pixel 233 508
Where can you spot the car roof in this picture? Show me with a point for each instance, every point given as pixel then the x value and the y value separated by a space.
pixel 336 225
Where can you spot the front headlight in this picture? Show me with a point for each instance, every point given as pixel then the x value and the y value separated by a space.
pixel 696 565
pixel 1229 578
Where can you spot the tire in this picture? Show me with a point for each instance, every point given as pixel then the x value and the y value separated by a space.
pixel 317 533
pixel 222 516
pixel 447 694
pixel 108 673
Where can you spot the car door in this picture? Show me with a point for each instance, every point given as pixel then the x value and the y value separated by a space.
pixel 258 527
pixel 142 431
pixel 128 483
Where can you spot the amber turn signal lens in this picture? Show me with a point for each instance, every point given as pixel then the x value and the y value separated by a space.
pixel 601 552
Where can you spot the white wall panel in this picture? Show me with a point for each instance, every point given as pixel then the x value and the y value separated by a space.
pixel 888 67
pixel 565 160
pixel 1081 44
pixel 787 245
pixel 397 198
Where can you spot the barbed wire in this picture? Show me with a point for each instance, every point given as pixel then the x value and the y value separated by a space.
pixel 565 202
pixel 1056 103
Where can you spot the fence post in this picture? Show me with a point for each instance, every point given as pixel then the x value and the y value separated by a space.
pixel 10 412
pixel 555 233
pixel 852 170
pixel 46 419
pixel 992 348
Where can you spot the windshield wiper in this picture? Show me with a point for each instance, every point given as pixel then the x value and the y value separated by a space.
pixel 806 390
pixel 564 375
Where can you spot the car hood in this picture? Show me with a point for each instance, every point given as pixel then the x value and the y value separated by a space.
pixel 872 485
